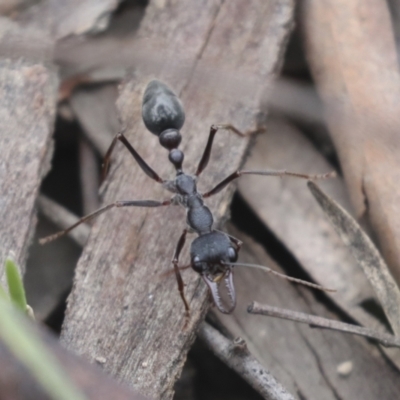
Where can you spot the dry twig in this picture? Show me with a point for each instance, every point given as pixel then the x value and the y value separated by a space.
pixel 325 323
pixel 236 355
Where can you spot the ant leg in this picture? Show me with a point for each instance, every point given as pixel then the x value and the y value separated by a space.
pixel 142 164
pixel 213 130
pixel 280 173
pixel 127 203
pixel 233 240
pixel 178 275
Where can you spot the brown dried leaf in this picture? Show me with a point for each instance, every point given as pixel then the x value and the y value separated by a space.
pixel 366 254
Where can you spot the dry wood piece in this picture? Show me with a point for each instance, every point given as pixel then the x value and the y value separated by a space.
pixel 27 43
pixel 236 355
pixel 353 59
pixel 318 322
pixel 27 108
pixel 70 17
pixel 121 308
pixel 304 360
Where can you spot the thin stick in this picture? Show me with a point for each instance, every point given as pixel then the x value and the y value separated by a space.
pixel 89 177
pixel 284 172
pixel 384 339
pixel 236 355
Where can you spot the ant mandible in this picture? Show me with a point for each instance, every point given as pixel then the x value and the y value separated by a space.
pixel 213 254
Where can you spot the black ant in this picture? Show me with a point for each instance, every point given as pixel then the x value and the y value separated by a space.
pixel 213 253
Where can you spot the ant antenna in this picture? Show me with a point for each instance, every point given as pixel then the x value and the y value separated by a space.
pixel 283 276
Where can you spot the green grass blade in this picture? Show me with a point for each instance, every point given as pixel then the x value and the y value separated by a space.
pixel 27 347
pixel 15 285
pixel 3 293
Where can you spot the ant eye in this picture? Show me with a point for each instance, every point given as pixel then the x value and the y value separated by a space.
pixel 197 265
pixel 232 254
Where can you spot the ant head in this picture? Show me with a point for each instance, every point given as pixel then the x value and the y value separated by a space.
pixel 211 255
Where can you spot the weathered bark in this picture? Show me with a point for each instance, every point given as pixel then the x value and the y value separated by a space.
pixel 121 307
pixel 27 109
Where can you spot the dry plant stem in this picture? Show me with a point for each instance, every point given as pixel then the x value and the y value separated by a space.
pixel 325 323
pixel 236 355
pixel 63 219
pixel 366 254
pixel 89 177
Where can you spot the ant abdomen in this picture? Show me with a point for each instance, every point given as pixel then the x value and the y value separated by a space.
pixel 161 110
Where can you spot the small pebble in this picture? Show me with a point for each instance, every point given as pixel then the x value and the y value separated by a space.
pixel 344 369
pixel 101 360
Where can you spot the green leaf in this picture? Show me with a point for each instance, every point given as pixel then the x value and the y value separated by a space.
pixel 26 345
pixel 15 285
pixel 3 293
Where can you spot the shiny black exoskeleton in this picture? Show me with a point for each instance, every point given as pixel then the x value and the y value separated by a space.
pixel 212 253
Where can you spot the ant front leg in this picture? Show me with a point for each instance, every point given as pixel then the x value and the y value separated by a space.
pixel 235 241
pixel 142 164
pixel 213 130
pixel 181 285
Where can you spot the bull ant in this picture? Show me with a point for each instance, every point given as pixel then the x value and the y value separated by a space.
pixel 213 254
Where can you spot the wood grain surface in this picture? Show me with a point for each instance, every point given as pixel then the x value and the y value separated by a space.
pixel 27 111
